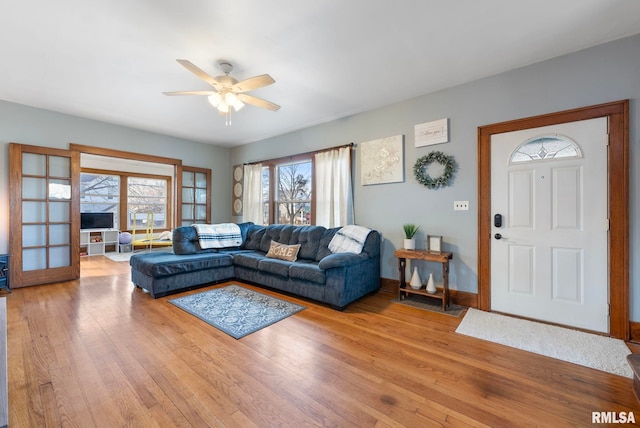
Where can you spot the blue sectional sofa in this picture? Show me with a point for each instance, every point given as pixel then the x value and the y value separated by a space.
pixel 336 279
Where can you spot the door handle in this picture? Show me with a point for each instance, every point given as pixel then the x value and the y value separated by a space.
pixel 498 236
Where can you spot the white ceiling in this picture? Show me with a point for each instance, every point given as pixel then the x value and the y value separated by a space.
pixel 111 60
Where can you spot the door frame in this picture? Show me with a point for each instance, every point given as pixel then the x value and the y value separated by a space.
pixel 617 113
pixel 176 183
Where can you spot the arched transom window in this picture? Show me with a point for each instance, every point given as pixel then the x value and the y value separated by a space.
pixel 545 147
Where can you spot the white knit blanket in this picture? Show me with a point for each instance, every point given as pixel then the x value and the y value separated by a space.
pixel 349 239
pixel 222 235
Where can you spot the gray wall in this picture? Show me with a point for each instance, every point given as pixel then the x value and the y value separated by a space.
pixel 604 73
pixel 27 125
pixel 601 74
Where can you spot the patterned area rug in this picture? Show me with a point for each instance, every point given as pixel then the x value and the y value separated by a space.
pixel 433 305
pixel 589 350
pixel 236 310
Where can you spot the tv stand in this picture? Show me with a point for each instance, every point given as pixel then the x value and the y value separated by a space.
pixel 95 242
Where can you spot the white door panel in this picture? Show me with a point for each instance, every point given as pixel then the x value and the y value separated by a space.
pixel 551 261
pixel 566 192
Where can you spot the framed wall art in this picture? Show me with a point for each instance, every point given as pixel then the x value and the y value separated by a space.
pixel 434 243
pixel 236 201
pixel 435 132
pixel 382 161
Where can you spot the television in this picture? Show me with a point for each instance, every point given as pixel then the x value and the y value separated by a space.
pixel 96 220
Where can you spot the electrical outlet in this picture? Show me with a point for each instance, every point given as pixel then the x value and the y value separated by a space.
pixel 460 205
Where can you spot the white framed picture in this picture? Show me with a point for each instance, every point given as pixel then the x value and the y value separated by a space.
pixel 434 243
pixel 435 132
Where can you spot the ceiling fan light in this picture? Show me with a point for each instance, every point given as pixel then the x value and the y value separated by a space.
pixel 232 99
pixel 223 108
pixel 237 105
pixel 215 99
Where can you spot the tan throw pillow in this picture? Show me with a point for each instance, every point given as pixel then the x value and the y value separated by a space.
pixel 283 252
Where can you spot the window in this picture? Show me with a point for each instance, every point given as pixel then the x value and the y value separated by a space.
pixel 287 195
pixel 288 189
pixel 100 193
pixel 147 199
pixel 266 191
pixel 293 200
pixel 546 147
pixel 124 194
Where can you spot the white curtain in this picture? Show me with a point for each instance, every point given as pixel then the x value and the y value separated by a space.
pixel 252 194
pixel 334 194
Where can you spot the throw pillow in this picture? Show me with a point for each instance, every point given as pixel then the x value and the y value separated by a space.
pixel 283 252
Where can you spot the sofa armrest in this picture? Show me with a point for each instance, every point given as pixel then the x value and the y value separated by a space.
pixel 341 260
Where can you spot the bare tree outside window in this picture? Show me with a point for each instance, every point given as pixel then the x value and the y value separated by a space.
pixel 100 193
pixel 293 204
pixel 144 196
pixel 147 196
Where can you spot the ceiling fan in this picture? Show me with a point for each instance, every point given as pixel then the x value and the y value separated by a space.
pixel 227 91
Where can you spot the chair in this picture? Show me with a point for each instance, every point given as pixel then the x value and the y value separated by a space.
pixel 148 240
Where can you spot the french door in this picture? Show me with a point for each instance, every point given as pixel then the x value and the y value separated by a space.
pixel 44 215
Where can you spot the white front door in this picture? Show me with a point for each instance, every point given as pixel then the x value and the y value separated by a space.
pixel 549 254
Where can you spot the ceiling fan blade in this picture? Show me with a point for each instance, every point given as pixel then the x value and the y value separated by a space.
pixel 253 83
pixel 198 72
pixel 190 93
pixel 258 102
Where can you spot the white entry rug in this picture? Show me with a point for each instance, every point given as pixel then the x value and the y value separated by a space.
pixel 589 350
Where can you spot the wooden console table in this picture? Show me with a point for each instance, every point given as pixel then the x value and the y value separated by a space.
pixel 429 256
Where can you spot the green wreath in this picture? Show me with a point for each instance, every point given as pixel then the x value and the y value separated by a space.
pixel 422 164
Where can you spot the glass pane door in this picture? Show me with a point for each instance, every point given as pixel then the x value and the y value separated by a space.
pixel 44 215
pixel 195 206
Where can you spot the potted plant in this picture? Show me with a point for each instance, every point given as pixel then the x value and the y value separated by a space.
pixel 410 231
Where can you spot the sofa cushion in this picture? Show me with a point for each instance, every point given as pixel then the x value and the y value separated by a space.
pixel 254 237
pixel 307 271
pixel 323 248
pixel 185 239
pixel 279 233
pixel 248 259
pixel 309 239
pixel 283 252
pixel 372 245
pixel 275 267
pixel 165 264
pixel 244 229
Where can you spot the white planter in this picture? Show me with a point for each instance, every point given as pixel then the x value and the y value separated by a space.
pixel 410 244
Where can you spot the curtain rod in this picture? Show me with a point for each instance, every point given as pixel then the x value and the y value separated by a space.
pixel 299 155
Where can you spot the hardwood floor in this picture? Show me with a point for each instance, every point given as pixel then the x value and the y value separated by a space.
pixel 98 352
